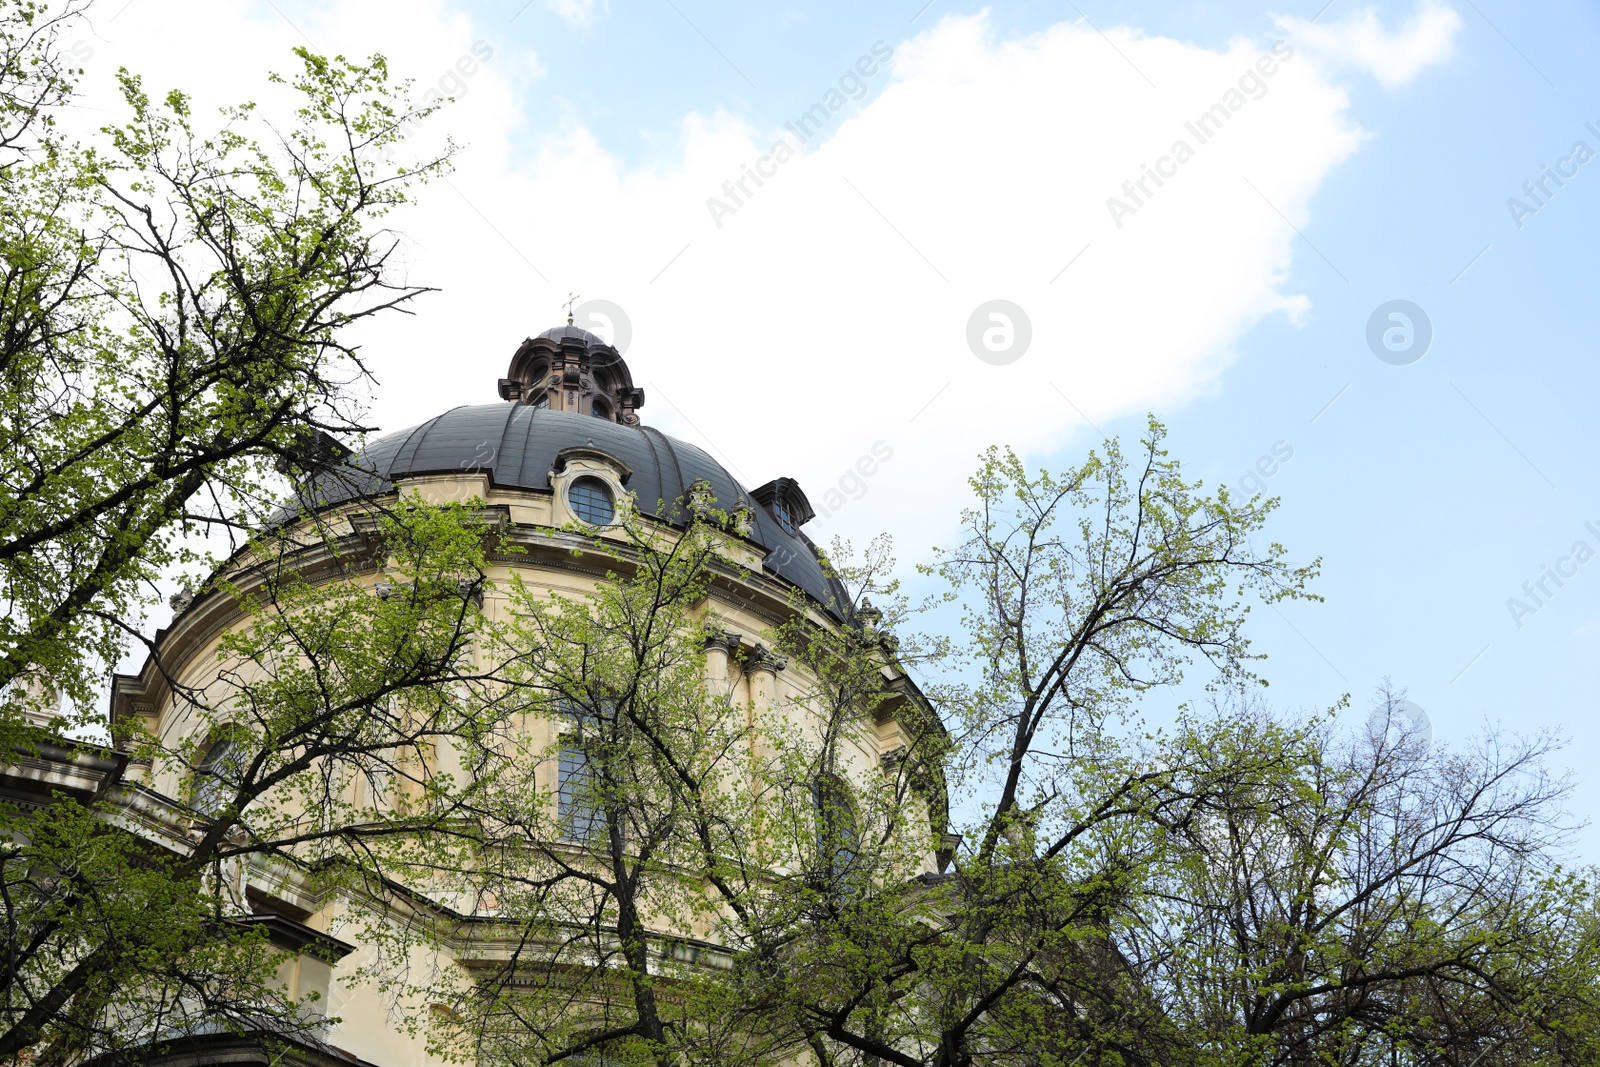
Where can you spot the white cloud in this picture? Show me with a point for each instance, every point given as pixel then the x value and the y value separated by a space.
pixel 828 312
pixel 1427 38
pixel 574 12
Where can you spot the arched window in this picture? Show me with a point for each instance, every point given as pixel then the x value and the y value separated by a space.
pixel 599 409
pixel 838 837
pixel 217 776
pixel 578 811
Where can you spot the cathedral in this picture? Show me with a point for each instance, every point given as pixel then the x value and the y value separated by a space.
pixel 563 449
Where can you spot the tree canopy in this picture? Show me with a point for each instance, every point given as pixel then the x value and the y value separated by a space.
pixel 175 298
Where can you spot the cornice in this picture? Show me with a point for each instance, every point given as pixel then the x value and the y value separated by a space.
pixel 32 777
pixel 349 553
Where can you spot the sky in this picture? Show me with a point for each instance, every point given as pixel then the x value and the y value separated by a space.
pixel 1362 284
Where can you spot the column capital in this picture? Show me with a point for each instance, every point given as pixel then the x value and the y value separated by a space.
pixel 761 658
pixel 727 642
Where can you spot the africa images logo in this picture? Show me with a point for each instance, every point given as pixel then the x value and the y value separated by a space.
pixel 999 332
pixel 1566 169
pixel 1399 332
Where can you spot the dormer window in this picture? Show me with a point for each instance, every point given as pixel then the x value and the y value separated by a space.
pixel 786 504
pixel 588 484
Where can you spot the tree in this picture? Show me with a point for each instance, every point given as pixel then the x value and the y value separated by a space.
pixel 174 314
pixel 1080 594
pixel 174 308
pixel 591 870
pixel 339 707
pixel 1382 900
pixel 1240 890
pixel 643 842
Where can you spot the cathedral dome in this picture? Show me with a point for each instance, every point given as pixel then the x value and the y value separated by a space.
pixel 557 455
pixel 568 389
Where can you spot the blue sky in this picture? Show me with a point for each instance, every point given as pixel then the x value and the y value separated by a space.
pixel 824 314
pixel 1432 491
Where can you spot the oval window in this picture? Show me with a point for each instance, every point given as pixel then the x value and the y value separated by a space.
pixel 590 500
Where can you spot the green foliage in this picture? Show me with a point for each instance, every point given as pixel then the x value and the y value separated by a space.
pixel 172 307
pixel 129 941
pixel 1239 891
pixel 1371 902
pixel 336 698
pixel 174 300
pixel 645 908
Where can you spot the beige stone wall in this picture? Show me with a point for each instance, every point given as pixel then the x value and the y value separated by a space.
pixel 368 1028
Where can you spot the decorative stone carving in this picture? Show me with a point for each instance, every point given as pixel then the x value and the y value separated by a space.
pixel 41 704
pixel 588 457
pixel 946 852
pixel 701 497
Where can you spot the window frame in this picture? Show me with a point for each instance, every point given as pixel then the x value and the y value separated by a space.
pixel 572 806
pixel 223 754
pixel 838 840
pixel 599 484
pixel 781 513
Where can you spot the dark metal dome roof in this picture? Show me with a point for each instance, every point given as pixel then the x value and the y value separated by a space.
pixel 516 446
pixel 572 333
